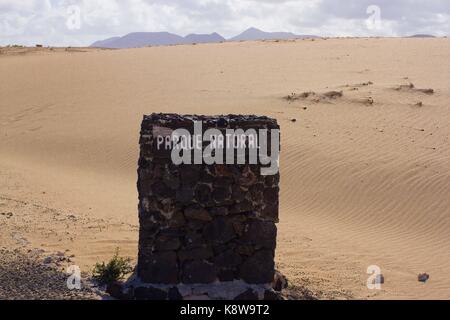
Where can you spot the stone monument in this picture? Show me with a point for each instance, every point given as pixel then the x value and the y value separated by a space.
pixel 207 220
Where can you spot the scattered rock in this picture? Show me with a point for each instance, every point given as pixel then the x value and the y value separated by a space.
pixel 174 294
pixel 423 277
pixel 280 282
pixel 411 87
pixel 222 122
pixel 333 94
pixel 197 298
pixel 115 290
pixel 426 91
pixel 23 276
pixel 406 86
pixel 150 294
pixel 271 295
pixel 8 215
pixel 369 101
pixel 248 295
pixel 48 260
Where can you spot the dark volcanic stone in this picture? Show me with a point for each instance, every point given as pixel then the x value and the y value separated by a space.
pixel 203 194
pixel 259 268
pixel 271 195
pixel 148 227
pixel 224 170
pixel 199 272
pixel 161 190
pixel 167 243
pixel 238 193
pixel 226 275
pixel 271 295
pixel 271 212
pixel 222 123
pixel 193 240
pixel 174 294
pixel 239 224
pixel 206 176
pixel 219 231
pixel 172 232
pixel 248 295
pixel 247 178
pixel 149 294
pixel 220 195
pixel 262 234
pixel 280 282
pixel 144 186
pixel 272 181
pixel 228 259
pixel 219 211
pixel 197 213
pixel 189 175
pixel 185 195
pixel 177 220
pixel 242 207
pixel 257 192
pixel 159 268
pixel 195 225
pixel 223 182
pixel 245 250
pixel 115 290
pixel 202 253
pixel 171 180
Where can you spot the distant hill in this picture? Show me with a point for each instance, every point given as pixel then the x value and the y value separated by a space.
pixel 422 36
pixel 105 43
pixel 145 39
pixel 140 39
pixel 256 34
pixel 204 38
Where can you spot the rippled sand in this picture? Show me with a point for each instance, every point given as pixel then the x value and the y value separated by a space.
pixel 365 176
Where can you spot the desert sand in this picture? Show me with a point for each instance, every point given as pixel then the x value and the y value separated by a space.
pixel 365 175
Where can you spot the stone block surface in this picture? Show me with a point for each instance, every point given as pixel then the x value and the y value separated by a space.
pixel 203 223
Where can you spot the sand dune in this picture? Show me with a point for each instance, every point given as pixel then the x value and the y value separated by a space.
pixel 365 175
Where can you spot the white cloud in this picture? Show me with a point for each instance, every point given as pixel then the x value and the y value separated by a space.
pixel 44 21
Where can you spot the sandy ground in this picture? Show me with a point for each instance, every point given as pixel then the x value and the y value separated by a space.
pixel 365 176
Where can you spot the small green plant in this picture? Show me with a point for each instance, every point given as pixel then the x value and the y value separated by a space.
pixel 116 269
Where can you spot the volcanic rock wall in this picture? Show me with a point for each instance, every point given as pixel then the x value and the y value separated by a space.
pixel 199 223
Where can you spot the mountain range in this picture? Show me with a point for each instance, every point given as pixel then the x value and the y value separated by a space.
pixel 144 39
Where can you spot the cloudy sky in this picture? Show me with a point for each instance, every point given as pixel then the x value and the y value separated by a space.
pixel 81 22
